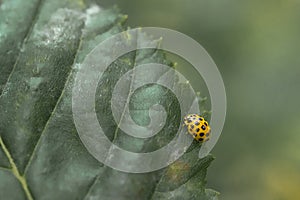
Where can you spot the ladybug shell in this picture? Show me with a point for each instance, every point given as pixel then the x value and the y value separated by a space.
pixel 197 126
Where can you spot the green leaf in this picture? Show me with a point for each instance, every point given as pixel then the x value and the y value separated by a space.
pixel 9 186
pixel 16 20
pixel 41 155
pixel 185 179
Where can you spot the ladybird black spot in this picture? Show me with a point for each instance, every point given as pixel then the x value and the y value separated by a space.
pixel 198 129
pixel 189 121
pixel 205 123
pixel 192 126
pixel 191 130
pixel 201 134
pixel 201 139
pixel 197 123
pixel 203 127
pixel 195 134
pixel 194 118
pixel 207 134
pixel 201 119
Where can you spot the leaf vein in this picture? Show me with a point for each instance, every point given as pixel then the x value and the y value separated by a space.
pixel 54 109
pixel 15 171
pixel 29 30
pixel 118 125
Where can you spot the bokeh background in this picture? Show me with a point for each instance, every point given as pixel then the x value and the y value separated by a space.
pixel 256 45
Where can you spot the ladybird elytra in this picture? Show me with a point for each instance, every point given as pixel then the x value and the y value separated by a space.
pixel 197 126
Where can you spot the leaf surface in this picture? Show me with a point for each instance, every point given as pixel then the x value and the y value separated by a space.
pixel 16 20
pixel 41 155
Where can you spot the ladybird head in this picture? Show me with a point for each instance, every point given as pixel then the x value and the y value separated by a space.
pixel 188 119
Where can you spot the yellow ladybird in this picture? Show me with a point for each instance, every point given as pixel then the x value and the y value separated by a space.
pixel 197 126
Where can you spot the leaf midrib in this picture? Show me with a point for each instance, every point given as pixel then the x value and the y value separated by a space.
pixel 14 169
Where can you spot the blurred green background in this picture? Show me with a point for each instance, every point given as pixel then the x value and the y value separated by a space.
pixel 256 46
